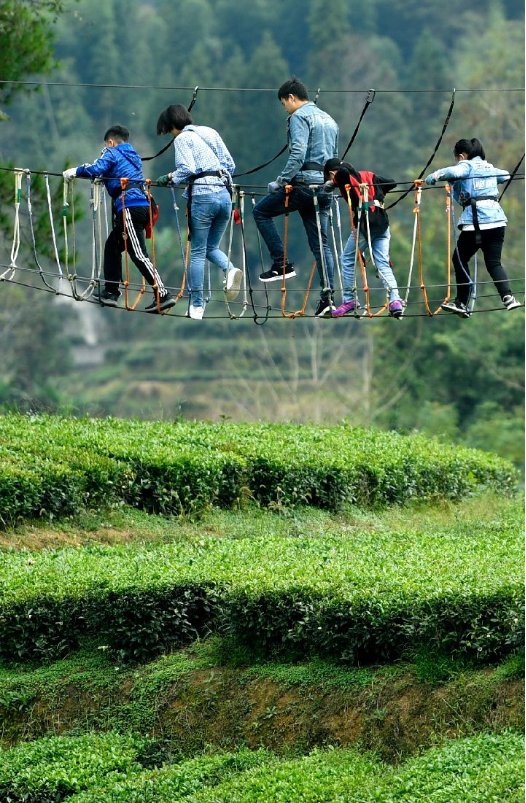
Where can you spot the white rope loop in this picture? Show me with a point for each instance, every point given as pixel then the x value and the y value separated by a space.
pixel 15 248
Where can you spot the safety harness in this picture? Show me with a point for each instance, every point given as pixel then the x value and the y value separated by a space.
pixel 473 203
pixel 222 174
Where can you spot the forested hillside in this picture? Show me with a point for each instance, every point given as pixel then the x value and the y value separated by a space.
pixel 461 379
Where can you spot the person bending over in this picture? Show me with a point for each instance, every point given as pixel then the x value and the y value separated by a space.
pixel 482 223
pixel 342 174
pixel 312 138
pixel 203 160
pixel 120 160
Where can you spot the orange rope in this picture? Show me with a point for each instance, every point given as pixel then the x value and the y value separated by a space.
pixel 448 213
pixel 358 249
pixel 288 190
pixel 124 182
pixel 155 285
pixel 418 196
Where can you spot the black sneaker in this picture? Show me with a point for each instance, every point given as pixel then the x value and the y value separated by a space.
pixel 166 302
pixel 276 273
pixel 457 307
pixel 325 308
pixel 108 299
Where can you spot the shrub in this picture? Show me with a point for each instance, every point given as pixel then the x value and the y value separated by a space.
pixel 50 769
pixel 368 596
pixel 172 783
pixel 53 466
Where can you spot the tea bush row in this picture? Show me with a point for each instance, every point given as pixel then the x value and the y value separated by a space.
pixel 488 768
pixel 369 596
pixel 483 769
pixel 53 466
pixel 51 769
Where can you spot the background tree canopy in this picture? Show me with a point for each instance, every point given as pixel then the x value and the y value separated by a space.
pixel 462 380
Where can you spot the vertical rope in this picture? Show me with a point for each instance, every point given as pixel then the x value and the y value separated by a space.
pixel 326 289
pixel 16 229
pixel 184 257
pixel 33 237
pixel 150 212
pixel 448 215
pixel 365 189
pixel 418 198
pixel 288 190
pixel 124 182
pixel 358 257
pixel 235 189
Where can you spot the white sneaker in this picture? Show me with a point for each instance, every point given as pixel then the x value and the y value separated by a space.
pixel 196 312
pixel 232 283
pixel 510 302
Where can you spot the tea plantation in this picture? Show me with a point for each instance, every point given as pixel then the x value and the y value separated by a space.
pixel 243 613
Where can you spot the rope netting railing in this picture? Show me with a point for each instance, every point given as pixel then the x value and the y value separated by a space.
pixel 81 286
pixel 65 254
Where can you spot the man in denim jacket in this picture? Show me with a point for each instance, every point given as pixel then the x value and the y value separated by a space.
pixel 313 139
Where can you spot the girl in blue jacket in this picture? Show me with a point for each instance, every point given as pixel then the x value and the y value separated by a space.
pixel 482 223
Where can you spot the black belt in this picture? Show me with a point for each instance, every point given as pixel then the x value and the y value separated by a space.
pixel 312 166
pixel 473 204
pixel 191 180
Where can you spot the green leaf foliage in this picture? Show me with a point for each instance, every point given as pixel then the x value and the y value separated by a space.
pixel 51 769
pixel 52 466
pixel 360 594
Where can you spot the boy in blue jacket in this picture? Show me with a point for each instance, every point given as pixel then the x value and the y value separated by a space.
pixel 120 160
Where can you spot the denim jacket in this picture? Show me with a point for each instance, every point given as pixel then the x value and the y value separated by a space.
pixel 473 178
pixel 313 137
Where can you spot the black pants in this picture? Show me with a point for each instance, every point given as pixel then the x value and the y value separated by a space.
pixel 137 218
pixel 492 242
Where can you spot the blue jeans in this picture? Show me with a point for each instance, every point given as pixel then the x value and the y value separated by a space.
pixel 300 200
pixel 210 216
pixel 380 246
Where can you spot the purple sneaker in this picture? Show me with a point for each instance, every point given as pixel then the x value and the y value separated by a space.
pixel 346 308
pixel 396 309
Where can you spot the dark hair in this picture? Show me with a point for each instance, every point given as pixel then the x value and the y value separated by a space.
pixel 118 132
pixel 471 147
pixel 335 164
pixel 293 87
pixel 175 116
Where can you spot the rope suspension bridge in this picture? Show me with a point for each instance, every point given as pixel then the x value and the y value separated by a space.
pixel 62 278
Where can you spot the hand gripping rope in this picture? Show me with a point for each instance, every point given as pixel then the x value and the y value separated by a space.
pixel 8 274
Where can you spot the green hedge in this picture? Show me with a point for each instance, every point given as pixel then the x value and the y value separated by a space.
pixel 483 769
pixel 54 466
pixel 110 768
pixel 51 769
pixel 172 783
pixel 365 596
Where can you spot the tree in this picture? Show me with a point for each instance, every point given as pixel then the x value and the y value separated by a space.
pixel 26 41
pixel 327 31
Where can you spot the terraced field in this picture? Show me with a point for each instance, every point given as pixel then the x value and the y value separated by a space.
pixel 248 613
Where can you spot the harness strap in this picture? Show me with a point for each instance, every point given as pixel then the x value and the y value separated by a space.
pixel 473 203
pixel 191 180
